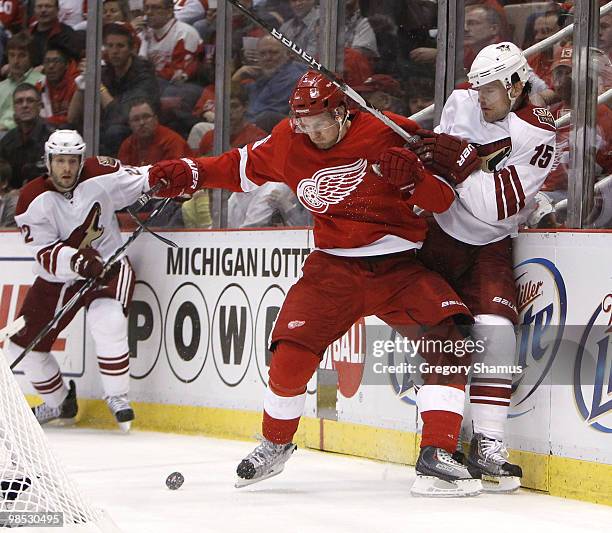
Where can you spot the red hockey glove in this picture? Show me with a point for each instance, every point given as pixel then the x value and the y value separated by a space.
pixel 179 176
pixel 446 155
pixel 401 168
pixel 87 263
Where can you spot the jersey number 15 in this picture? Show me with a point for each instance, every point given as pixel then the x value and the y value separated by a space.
pixel 543 155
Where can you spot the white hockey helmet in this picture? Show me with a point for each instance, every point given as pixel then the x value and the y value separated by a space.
pixel 67 142
pixel 498 62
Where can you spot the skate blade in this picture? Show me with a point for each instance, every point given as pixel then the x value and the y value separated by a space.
pixel 241 482
pixel 434 487
pixel 125 426
pixel 500 484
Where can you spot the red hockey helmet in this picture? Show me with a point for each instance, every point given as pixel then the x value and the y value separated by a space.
pixel 315 94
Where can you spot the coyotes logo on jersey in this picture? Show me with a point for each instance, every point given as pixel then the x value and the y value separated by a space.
pixel 493 153
pixel 89 231
pixel 330 186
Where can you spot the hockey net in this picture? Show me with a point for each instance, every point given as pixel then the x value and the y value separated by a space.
pixel 32 480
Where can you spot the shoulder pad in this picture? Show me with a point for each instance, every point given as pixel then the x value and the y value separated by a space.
pixel 98 166
pixel 29 192
pixel 537 116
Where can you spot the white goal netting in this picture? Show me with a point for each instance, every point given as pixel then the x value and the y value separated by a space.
pixel 31 478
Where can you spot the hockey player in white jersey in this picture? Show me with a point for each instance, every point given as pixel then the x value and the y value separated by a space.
pixel 67 219
pixel 496 149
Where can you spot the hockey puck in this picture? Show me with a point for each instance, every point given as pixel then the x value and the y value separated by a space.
pixel 174 480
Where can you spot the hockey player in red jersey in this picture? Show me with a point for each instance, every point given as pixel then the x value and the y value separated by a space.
pixel 470 243
pixel 67 219
pixel 366 238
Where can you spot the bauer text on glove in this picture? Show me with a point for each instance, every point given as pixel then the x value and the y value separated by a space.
pixel 446 155
pixel 179 176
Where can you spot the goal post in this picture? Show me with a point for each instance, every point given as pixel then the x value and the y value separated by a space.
pixel 35 490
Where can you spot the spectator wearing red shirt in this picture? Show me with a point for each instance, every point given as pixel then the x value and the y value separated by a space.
pixel 59 86
pixel 242 132
pixel 150 142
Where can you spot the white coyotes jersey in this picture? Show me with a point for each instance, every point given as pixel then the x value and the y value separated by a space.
pixel 517 154
pixel 55 225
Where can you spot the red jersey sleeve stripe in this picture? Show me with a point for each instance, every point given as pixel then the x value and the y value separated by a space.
pixel 54 254
pixel 48 255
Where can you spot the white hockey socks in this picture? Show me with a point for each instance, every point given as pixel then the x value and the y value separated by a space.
pixel 42 370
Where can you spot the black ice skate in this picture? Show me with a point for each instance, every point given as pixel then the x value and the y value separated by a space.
pixel 440 476
pixel 265 461
pixel 490 458
pixel 64 415
pixel 122 411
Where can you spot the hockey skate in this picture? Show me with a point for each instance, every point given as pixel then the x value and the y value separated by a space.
pixel 63 415
pixel 490 458
pixel 440 476
pixel 265 461
pixel 122 411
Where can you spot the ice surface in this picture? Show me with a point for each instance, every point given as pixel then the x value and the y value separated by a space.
pixel 317 492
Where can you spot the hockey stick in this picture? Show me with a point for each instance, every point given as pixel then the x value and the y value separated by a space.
pixel 14 327
pixel 144 228
pixel 307 59
pixel 90 283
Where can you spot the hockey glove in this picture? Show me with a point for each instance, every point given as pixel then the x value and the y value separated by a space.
pixel 401 168
pixel 179 176
pixel 446 155
pixel 87 263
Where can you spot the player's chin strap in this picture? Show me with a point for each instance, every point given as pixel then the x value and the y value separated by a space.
pixel 342 123
pixel 92 282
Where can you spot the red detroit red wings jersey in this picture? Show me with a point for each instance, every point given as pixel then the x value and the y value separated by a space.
pixel 55 225
pixel 356 213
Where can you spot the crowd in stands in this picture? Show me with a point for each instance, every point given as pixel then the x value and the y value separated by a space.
pixel 157 90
